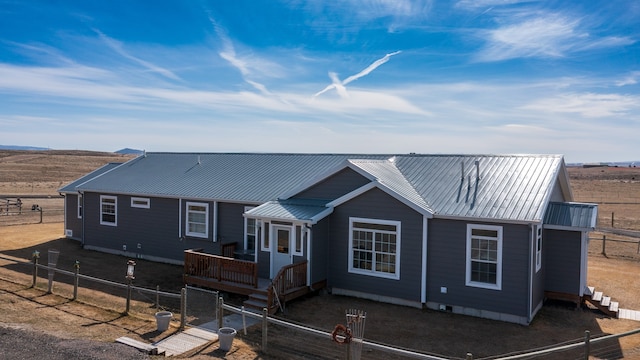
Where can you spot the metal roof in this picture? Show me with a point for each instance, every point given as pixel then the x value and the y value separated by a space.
pixel 307 210
pixel 574 215
pixel 506 187
pixel 238 177
pixel 71 187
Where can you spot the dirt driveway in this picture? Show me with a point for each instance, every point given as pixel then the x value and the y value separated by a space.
pixel 429 331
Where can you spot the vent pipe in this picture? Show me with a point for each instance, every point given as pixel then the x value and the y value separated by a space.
pixel 462 170
pixel 477 170
pixel 198 159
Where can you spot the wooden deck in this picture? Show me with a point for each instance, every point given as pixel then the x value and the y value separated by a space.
pixel 241 277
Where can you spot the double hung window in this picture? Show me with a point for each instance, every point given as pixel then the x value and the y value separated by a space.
pixel 197 219
pixel 484 256
pixel 108 210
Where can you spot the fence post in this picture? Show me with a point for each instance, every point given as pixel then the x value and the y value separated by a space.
pixel 265 314
pixel 76 267
pixel 612 217
pixel 36 256
pixel 604 245
pixel 183 308
pixel 126 311
pixel 220 313
pixel 157 297
pixel 587 350
pixel 469 356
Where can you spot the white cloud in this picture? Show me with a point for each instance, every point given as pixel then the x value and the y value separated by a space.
pixel 543 35
pixel 630 79
pixel 589 105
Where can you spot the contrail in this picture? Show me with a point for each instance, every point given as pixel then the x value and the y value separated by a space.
pixel 340 85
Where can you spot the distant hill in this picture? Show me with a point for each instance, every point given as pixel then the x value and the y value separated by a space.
pixel 128 151
pixel 18 147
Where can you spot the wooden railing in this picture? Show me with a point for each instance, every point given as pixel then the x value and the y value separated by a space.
pixel 290 279
pixel 228 249
pixel 220 268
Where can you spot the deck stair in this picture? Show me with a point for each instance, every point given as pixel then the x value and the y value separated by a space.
pixel 258 301
pixel 601 302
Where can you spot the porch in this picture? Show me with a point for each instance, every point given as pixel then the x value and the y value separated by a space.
pixel 225 273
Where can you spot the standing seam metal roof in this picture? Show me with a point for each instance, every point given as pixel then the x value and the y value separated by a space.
pixel 509 187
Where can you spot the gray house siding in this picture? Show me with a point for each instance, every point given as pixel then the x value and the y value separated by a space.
pixel 341 183
pixel 71 220
pixel 230 225
pixel 562 260
pixel 319 262
pixel 149 232
pixel 446 268
pixel 375 204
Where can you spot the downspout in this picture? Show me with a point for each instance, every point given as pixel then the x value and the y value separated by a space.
pixel 423 285
pixel 532 254
pixel 84 213
pixel 180 218
pixel 309 254
pixel 215 221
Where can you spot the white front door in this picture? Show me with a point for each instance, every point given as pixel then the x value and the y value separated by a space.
pixel 281 248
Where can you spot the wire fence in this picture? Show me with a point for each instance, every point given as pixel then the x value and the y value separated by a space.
pixel 274 336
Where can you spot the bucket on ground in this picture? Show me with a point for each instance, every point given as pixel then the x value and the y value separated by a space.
pixel 225 336
pixel 162 320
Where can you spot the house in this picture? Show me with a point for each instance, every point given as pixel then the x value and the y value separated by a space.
pixel 484 235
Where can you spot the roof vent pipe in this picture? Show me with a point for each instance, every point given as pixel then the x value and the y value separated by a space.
pixel 477 170
pixel 462 170
pixel 144 153
pixel 198 159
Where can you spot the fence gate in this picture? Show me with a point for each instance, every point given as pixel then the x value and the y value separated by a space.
pixel 201 305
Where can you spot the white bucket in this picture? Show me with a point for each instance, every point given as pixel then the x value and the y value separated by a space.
pixel 225 336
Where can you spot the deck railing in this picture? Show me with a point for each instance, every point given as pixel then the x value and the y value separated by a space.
pixel 221 268
pixel 288 280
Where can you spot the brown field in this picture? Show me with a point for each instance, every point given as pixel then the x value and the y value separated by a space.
pixel 97 316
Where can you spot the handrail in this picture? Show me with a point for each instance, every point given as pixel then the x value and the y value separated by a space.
pixel 220 268
pixel 289 277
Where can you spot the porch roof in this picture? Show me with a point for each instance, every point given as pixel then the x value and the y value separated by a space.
pixel 299 210
pixel 571 215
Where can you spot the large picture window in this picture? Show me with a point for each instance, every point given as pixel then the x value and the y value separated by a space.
pixel 197 219
pixel 484 256
pixel 108 210
pixel 374 247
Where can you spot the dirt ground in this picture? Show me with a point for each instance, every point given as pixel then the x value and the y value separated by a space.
pixel 98 315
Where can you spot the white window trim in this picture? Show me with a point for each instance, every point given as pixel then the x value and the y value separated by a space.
pixel 297 239
pixel 206 220
pixel 468 282
pixel 256 227
pixel 79 208
pixel 146 203
pixel 394 276
pixel 265 236
pixel 115 210
pixel 538 237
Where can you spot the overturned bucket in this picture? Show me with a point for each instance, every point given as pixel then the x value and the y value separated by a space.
pixel 225 336
pixel 162 320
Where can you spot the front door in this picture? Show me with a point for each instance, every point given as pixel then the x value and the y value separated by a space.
pixel 281 250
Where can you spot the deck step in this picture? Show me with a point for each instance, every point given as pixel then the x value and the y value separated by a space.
pixel 597 296
pixel 613 307
pixel 590 290
pixel 258 297
pixel 605 301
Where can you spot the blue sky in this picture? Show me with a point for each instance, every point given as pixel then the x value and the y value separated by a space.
pixel 360 76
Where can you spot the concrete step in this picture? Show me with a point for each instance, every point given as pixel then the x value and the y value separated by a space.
pixel 590 290
pixel 606 300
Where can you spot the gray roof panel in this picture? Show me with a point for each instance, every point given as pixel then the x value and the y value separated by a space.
pixel 574 215
pixel 71 187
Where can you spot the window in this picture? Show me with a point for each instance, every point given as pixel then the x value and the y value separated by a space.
pixel 197 219
pixel 374 247
pixel 250 232
pixel 299 241
pixel 484 256
pixel 108 210
pixel 79 206
pixel 143 203
pixel 538 247
pixel 265 238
